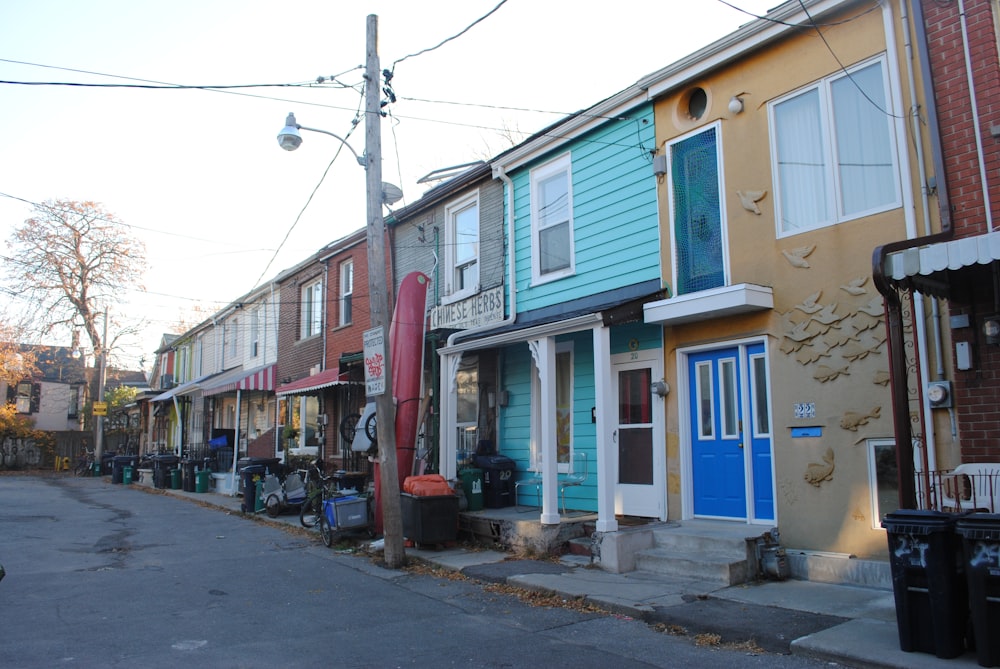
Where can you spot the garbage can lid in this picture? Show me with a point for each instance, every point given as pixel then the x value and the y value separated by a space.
pixel 979 526
pixel 919 521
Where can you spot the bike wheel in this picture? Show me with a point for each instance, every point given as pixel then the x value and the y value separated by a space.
pixel 311 510
pixel 273 506
pixel 326 531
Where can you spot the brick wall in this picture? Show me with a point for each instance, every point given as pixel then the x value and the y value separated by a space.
pixel 977 391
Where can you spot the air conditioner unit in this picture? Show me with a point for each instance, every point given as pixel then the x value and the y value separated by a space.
pixel 166 382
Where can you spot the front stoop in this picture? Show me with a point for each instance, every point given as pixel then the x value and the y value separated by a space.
pixel 709 551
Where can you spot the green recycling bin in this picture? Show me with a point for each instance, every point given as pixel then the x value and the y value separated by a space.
pixel 96 469
pixel 201 479
pixel 126 475
pixel 175 479
pixel 472 486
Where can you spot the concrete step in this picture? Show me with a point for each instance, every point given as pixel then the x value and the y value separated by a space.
pixel 722 567
pixel 580 546
pixel 693 537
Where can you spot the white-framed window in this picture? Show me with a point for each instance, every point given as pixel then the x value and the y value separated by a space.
pixel 347 292
pixel 883 479
pixel 833 150
pixel 196 363
pixel 234 338
pixel 564 405
pixel 312 309
pixel 255 332
pixel 552 253
pixel 462 244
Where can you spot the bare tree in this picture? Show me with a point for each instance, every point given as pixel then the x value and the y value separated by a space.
pixel 72 261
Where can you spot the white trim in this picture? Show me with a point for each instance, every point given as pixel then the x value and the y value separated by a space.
pixel 721 185
pixel 872 444
pixel 834 205
pixel 562 165
pixel 451 210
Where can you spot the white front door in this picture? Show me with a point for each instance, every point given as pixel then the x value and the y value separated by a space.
pixel 640 481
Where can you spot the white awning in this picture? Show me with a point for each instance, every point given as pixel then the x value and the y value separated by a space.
pixel 950 255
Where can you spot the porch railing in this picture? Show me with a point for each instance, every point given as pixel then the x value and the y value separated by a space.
pixel 968 487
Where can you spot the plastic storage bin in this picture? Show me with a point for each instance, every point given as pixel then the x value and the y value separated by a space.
pixel 431 519
pixel 928 581
pixel 980 534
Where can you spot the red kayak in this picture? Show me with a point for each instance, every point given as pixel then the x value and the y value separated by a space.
pixel 406 350
pixel 406 341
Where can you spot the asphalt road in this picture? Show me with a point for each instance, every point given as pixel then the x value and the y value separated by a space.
pixel 102 575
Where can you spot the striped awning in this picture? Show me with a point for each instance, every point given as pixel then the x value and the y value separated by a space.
pixel 324 379
pixel 259 378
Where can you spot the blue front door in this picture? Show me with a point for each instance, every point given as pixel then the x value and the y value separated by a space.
pixel 730 433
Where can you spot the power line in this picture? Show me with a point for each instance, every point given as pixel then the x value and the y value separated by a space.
pixel 448 39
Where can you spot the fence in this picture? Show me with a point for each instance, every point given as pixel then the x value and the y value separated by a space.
pixel 968 487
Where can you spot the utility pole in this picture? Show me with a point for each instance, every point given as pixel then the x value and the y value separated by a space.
pixel 101 379
pixel 385 410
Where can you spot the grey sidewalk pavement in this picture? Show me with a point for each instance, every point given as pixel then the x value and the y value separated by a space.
pixel 849 625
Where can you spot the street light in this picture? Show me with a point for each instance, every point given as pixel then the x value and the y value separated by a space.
pixel 376 197
pixel 289 139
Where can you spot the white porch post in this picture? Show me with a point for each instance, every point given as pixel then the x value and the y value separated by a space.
pixel 544 352
pixel 605 410
pixel 447 457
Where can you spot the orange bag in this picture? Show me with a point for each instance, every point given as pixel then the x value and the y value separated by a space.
pixel 427 485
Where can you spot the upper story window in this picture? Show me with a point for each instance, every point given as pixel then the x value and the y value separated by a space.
pixel 552 220
pixel 462 239
pixel 255 333
pixel 347 292
pixel 234 338
pixel 199 345
pixel 833 150
pixel 312 309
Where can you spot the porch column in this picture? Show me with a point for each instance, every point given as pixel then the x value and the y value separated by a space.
pixel 447 464
pixel 606 447
pixel 544 352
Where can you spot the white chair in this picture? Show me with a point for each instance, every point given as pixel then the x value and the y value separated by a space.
pixel 577 476
pixel 972 486
pixel 533 479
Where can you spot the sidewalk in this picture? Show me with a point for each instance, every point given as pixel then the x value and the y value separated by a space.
pixel 849 625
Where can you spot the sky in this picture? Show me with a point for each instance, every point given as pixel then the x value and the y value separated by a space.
pixel 198 174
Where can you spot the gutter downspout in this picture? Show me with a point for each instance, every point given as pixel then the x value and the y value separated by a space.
pixel 893 305
pixel 447 456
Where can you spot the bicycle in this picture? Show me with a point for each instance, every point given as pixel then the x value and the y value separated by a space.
pixel 319 487
pixel 85 463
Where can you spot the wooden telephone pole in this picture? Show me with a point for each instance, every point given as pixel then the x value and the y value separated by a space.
pixel 385 410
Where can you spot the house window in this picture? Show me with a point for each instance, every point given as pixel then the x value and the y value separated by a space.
pixel 196 362
pixel 234 338
pixel 833 151
pixel 347 292
pixel 255 333
pixel 23 400
pixel 312 310
pixel 552 220
pixel 462 238
pixel 883 479
pixel 699 236
pixel 467 405
pixel 564 403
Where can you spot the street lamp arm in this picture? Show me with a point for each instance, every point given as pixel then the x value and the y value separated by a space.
pixel 289 138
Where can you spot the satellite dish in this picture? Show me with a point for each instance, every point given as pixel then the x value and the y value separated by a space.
pixel 391 194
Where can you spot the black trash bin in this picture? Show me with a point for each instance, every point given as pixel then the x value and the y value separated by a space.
pixel 980 534
pixel 928 581
pixel 187 475
pixel 249 475
pixel 498 480
pixel 107 463
pixel 162 464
